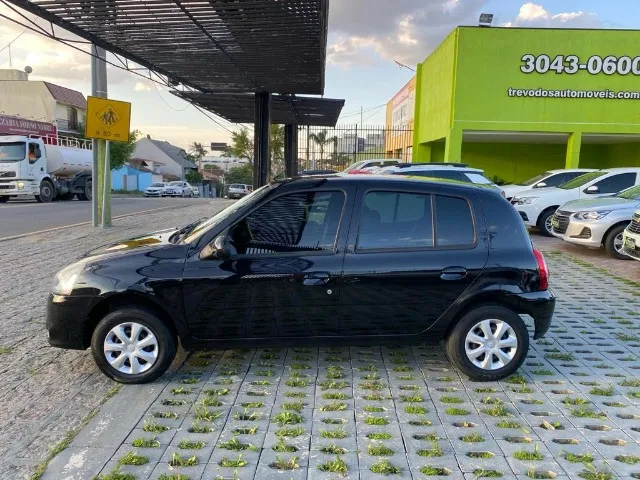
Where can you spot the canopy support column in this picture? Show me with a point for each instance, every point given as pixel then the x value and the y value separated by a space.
pixel 291 150
pixel 262 139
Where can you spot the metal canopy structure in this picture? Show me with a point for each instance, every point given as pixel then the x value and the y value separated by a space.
pixel 212 46
pixel 285 109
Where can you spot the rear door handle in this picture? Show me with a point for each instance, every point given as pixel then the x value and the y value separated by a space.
pixel 316 278
pixel 453 273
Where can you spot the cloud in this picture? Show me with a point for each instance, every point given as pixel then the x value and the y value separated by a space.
pixel 403 30
pixel 534 15
pixel 142 86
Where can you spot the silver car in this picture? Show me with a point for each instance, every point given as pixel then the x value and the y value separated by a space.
pixel 599 221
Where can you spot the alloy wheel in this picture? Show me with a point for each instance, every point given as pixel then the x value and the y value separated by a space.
pixel 618 243
pixel 547 224
pixel 131 348
pixel 491 344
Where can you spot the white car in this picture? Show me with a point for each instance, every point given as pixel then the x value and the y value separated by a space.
pixel 537 206
pixel 374 162
pixel 631 237
pixel 552 178
pixel 239 190
pixel 177 189
pixel 196 191
pixel 598 221
pixel 155 189
pixel 449 171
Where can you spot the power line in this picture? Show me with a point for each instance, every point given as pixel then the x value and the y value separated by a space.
pixel 165 102
pixel 9 44
pixel 362 111
pixel 211 118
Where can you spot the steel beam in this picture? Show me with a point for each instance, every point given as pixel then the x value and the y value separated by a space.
pixel 291 150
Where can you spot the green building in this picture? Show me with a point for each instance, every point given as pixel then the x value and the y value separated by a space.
pixel 517 102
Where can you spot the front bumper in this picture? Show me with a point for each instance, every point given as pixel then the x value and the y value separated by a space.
pixel 540 306
pixel 626 240
pixel 589 234
pixel 10 189
pixel 529 214
pixel 66 321
pixel 152 194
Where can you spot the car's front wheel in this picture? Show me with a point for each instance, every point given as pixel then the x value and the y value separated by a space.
pixel 488 343
pixel 132 345
pixel 613 243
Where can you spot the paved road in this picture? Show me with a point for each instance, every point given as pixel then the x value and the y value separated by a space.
pixel 20 217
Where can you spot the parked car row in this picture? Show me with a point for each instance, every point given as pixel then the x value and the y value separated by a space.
pixel 631 237
pixel 171 189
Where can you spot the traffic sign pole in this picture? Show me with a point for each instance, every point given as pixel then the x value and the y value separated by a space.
pixel 98 89
pixel 106 187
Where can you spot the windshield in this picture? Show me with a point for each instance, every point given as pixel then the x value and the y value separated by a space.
pixel 157 185
pixel 176 183
pixel 355 166
pixel 478 178
pixel 227 212
pixel 535 179
pixel 581 180
pixel 632 193
pixel 12 152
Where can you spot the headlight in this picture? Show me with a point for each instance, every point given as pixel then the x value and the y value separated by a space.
pixel 66 278
pixel 591 215
pixel 526 200
pixel 20 185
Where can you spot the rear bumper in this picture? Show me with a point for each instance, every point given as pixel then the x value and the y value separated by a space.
pixel 66 321
pixel 540 306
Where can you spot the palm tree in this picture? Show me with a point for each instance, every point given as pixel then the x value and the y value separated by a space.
pixel 322 139
pixel 198 151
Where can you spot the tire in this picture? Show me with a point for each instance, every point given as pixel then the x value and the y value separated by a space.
pixel 47 192
pixel 456 343
pixel 610 243
pixel 165 346
pixel 544 222
pixel 4 199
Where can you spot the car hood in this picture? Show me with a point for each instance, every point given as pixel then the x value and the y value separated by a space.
pixel 613 203
pixel 149 241
pixel 541 192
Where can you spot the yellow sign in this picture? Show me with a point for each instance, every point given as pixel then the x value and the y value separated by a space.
pixel 108 119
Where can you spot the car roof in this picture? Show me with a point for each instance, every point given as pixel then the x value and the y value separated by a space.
pixel 569 170
pixel 437 166
pixel 622 170
pixel 385 181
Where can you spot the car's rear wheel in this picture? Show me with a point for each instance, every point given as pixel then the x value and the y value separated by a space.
pixel 488 343
pixel 613 243
pixel 132 345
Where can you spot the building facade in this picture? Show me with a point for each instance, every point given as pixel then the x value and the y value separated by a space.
pixel 42 102
pixel 517 102
pixel 400 115
pixel 167 159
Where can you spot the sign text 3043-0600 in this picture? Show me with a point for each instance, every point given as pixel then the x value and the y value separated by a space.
pixel 572 64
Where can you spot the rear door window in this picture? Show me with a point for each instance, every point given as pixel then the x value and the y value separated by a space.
pixel 454 222
pixel 392 220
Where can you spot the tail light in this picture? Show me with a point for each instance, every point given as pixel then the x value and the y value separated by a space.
pixel 543 270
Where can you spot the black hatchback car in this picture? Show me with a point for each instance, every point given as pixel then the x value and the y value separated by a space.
pixel 315 260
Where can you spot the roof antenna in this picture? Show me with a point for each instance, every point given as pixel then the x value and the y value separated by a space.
pixel 402 65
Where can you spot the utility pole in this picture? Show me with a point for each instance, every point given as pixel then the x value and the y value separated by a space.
pixel 101 211
pixel 361 121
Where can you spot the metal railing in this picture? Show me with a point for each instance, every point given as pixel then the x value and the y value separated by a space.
pixel 63 141
pixel 321 148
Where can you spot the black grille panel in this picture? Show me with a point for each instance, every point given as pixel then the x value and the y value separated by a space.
pixel 634 227
pixel 7 174
pixel 563 220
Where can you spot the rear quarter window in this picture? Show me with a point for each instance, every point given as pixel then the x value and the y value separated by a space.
pixel 455 226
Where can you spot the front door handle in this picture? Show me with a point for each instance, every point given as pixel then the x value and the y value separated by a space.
pixel 316 279
pixel 453 273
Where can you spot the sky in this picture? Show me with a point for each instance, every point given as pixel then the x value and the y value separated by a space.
pixel 366 39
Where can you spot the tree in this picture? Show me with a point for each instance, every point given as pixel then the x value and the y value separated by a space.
pixel 277 150
pixel 193 176
pixel 121 152
pixel 241 145
pixel 322 139
pixel 197 152
pixel 242 174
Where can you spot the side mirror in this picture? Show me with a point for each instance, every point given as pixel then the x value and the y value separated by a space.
pixel 216 249
pixel 592 189
pixel 540 185
pixel 38 152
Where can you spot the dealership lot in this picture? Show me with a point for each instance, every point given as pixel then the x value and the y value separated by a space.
pixel 578 393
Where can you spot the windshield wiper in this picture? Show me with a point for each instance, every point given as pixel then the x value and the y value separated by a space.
pixel 187 229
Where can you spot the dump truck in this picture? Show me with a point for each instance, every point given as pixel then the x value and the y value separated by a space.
pixel 48 169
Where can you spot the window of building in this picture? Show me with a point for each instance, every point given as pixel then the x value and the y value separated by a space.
pixel 298 222
pixel 72 118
